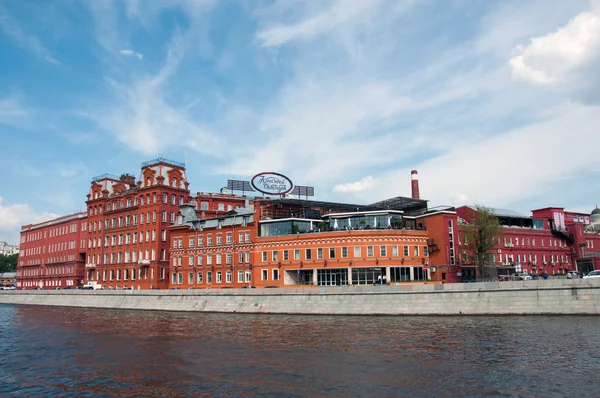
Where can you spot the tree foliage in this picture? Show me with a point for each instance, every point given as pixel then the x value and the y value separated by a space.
pixel 8 263
pixel 480 234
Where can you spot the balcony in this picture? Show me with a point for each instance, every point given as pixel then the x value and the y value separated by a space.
pixel 144 262
pixel 90 265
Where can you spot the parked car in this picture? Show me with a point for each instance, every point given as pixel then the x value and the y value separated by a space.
pixel 573 275
pixel 523 277
pixel 592 274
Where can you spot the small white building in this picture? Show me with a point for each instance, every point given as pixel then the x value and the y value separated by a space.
pixel 7 250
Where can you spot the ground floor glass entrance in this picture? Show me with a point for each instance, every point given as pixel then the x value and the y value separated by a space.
pixel 332 277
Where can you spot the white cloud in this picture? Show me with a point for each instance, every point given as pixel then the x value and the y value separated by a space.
pixel 12 217
pixel 11 111
pixel 561 59
pixel 142 117
pixel 522 164
pixel 364 184
pixel 132 53
pixel 339 13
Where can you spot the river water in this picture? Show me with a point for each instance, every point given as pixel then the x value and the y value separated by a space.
pixel 49 351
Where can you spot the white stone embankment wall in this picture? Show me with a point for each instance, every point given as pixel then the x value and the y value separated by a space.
pixel 504 298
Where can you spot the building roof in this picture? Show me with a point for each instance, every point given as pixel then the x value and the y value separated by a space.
pixel 396 203
pixel 596 210
pixel 55 221
pixel 502 212
pixel 8 275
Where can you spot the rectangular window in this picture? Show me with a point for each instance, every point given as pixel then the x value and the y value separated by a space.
pixel 308 254
pixel 180 278
pixel 286 255
pixel 191 261
pixel 174 278
pixel 247 236
pixel 296 254
pixel 394 251
pixel 240 237
pixel 199 277
pixel 218 258
pixel 209 240
pixel 320 253
pixel 405 251
pixel 416 251
pixel 228 258
pixel 356 251
pixel 228 278
pixel 219 240
pixel 369 251
pixel 344 252
pixel 209 276
pixel 190 278
pixel 426 251
pixel 275 274
pixel 204 206
pixel 383 251
pixel 240 277
pixel 275 255
pixel 248 276
pixel 229 238
pixel 264 257
pixel 219 277
pixel 332 252
pixel 209 259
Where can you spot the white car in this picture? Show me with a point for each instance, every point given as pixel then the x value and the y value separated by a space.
pixel 593 274
pixel 523 277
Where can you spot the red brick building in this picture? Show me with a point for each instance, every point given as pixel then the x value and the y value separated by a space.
pixel 292 242
pixel 528 245
pixel 128 245
pixel 52 253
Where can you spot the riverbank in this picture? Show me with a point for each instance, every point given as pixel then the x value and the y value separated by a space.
pixel 565 297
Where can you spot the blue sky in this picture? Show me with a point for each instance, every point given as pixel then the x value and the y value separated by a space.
pixel 494 102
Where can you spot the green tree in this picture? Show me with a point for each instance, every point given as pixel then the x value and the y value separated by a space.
pixel 479 237
pixel 8 263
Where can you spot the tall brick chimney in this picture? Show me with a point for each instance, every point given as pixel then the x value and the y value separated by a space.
pixel 414 177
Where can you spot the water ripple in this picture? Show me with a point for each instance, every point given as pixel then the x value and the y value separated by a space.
pixel 107 353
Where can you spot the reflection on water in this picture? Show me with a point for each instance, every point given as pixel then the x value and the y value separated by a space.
pixel 70 351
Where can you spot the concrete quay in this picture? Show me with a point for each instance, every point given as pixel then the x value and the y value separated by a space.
pixel 560 296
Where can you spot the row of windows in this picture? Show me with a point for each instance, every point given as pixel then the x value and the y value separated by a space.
pixel 130 238
pixel 126 257
pixel 343 251
pixel 243 258
pixel 57 231
pixel 52 283
pixel 129 202
pixel 242 277
pixel 130 220
pixel 531 258
pixel 243 236
pixel 509 242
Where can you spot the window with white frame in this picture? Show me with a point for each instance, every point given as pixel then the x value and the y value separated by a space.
pixel 264 275
pixel 383 251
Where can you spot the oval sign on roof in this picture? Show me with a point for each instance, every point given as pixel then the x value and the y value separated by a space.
pixel 272 183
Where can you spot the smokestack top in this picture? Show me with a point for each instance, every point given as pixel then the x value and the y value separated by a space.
pixel 414 176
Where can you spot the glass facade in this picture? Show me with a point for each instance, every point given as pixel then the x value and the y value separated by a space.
pixel 364 221
pixel 287 227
